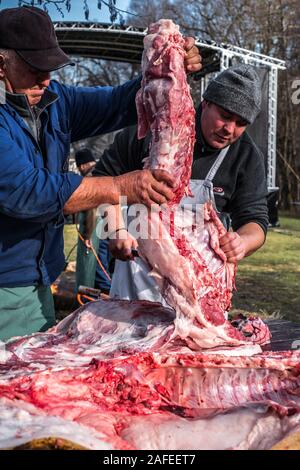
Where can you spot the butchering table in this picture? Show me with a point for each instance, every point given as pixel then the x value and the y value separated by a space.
pixel 285 335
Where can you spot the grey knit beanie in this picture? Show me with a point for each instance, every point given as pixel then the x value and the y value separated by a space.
pixel 238 90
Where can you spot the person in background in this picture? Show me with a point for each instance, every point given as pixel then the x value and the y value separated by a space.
pixel 85 161
pixel 86 264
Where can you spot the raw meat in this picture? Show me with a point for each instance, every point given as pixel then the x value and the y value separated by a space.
pixel 185 256
pixel 111 367
pixel 164 104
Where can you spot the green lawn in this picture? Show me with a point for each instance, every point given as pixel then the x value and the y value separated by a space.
pixel 70 235
pixel 268 282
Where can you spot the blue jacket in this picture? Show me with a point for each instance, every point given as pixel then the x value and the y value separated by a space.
pixel 34 179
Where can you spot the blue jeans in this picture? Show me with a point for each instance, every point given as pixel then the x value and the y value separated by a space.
pixel 101 280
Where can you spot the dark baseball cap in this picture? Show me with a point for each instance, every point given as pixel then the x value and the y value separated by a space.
pixel 29 31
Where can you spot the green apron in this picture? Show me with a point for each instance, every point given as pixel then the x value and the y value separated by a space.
pixel 25 310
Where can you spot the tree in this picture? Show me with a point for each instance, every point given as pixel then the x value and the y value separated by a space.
pixel 114 11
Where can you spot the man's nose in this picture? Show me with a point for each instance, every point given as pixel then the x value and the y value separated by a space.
pixel 229 127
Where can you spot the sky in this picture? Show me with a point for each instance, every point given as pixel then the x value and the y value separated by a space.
pixel 76 13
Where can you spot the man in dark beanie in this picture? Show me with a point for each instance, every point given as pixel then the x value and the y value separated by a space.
pixel 227 166
pixel 238 90
pixel 38 121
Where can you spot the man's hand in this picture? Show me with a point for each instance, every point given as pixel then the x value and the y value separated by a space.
pixel 233 246
pixel 245 241
pixel 193 58
pixel 121 247
pixel 146 187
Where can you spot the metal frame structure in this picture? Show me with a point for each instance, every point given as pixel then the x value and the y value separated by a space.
pixel 125 44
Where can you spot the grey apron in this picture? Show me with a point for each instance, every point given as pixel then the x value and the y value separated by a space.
pixel 131 279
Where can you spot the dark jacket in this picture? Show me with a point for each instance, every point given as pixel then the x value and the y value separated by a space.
pixel 34 179
pixel 239 186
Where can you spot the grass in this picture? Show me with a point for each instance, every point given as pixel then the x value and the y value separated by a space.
pixel 70 235
pixel 268 282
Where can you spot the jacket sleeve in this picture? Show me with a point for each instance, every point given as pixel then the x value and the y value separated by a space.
pixel 98 110
pixel 124 154
pixel 27 192
pixel 249 201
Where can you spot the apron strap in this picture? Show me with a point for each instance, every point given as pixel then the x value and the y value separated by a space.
pixel 212 172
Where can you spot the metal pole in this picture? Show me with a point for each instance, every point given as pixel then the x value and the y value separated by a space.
pixel 272 127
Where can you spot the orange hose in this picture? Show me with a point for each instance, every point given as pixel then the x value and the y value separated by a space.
pixel 89 245
pixel 81 296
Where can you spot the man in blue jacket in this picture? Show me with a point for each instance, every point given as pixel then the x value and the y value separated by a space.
pixel 38 121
